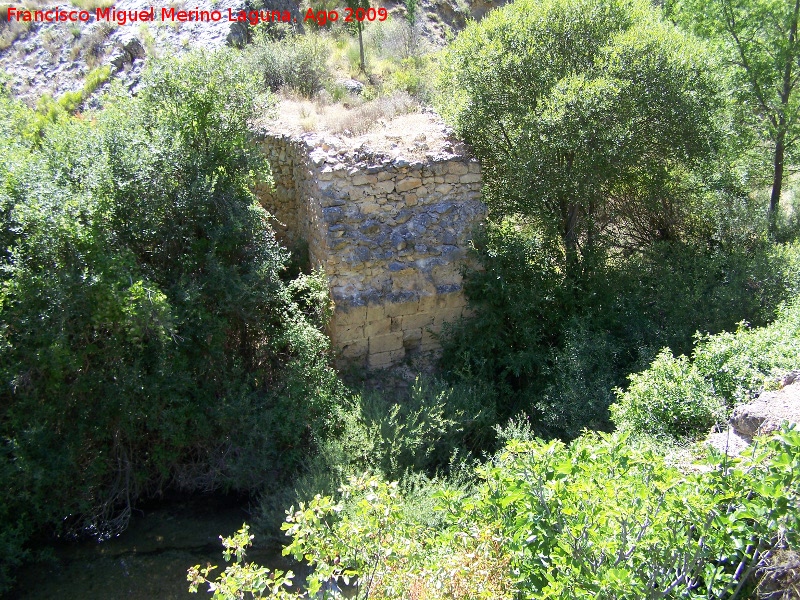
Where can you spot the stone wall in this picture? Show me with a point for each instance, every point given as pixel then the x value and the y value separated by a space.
pixel 390 232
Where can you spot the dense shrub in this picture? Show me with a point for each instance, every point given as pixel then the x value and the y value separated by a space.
pixel 432 429
pixel 681 399
pixel 741 363
pixel 600 518
pixel 556 348
pixel 147 339
pixel 616 229
pixel 670 399
pixel 297 62
pixel 593 123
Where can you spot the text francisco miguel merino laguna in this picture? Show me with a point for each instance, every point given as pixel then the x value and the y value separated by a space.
pixel 121 17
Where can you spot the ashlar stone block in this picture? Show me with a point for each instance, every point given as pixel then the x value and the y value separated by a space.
pixel 386 342
pixel 407 184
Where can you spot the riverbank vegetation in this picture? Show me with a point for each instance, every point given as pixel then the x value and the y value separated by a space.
pixel 636 282
pixel 148 339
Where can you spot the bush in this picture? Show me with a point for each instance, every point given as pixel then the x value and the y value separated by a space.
pixel 671 399
pixel 682 399
pixel 297 62
pixel 240 577
pixel 579 383
pixel 603 137
pixel 599 518
pixel 414 76
pixel 51 110
pixel 147 338
pixel 555 348
pixel 739 364
pixel 432 429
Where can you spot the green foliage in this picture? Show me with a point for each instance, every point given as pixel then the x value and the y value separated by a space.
pixel 415 76
pixel 519 297
pixel 739 364
pixel 758 40
pixel 50 110
pixel 432 429
pixel 617 228
pixel 412 8
pixel 681 399
pixel 369 535
pixel 555 348
pixel 147 338
pixel 297 62
pixel 241 577
pixel 670 399
pixel 586 115
pixel 600 518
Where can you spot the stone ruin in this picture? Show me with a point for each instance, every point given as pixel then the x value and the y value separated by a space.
pixel 390 228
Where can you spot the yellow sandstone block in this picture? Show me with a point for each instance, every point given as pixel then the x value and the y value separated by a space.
pixel 386 342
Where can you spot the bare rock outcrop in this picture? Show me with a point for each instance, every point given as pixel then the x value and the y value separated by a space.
pixel 762 416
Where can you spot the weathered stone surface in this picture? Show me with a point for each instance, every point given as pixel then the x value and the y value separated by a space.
pixel 391 235
pixel 762 416
pixel 386 342
pixel 765 414
pixel 471 178
pixel 458 168
pixel 418 321
pixel 398 309
pixel 728 442
pixel 376 328
pixel 410 183
pixel 385 187
pixel 348 334
pixel 366 179
pixel 354 349
pixel 385 359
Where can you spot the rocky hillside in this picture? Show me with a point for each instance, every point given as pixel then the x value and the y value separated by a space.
pixel 53 58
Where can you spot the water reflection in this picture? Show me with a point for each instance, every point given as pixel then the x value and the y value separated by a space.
pixel 149 560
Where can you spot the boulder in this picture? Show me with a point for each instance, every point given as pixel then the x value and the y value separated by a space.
pixel 351 85
pixel 762 416
pixel 765 414
pixel 126 53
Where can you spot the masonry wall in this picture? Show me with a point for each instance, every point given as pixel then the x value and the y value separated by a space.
pixel 391 234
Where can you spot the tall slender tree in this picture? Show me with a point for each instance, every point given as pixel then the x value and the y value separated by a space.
pixel 759 40
pixel 360 4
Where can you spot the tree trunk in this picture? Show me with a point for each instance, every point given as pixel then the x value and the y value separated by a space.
pixel 777 180
pixel 780 139
pixel 361 47
pixel 571 241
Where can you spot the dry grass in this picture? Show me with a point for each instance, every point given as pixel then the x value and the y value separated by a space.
pixel 10 31
pixel 352 117
pixel 780 579
pixel 91 46
pixel 92 4
pixel 361 118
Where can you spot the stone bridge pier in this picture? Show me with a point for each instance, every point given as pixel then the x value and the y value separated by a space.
pixel 391 233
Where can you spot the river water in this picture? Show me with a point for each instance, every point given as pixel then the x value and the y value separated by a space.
pixel 149 560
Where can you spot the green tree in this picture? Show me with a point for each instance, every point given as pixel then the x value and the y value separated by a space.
pixel 588 117
pixel 363 5
pixel 412 19
pixel 147 338
pixel 412 11
pixel 759 40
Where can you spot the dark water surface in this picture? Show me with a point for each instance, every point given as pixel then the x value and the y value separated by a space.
pixel 149 560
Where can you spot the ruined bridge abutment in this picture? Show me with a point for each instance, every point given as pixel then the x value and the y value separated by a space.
pixel 390 233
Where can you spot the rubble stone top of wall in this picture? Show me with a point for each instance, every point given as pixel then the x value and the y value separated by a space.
pixel 407 140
